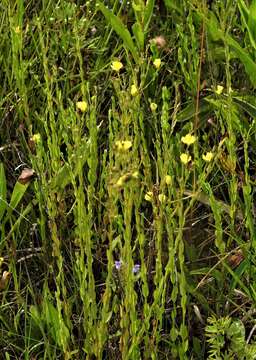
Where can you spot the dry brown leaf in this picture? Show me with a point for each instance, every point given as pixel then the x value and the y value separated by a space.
pixel 26 175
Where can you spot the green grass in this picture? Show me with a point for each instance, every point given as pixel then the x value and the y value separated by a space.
pixel 118 247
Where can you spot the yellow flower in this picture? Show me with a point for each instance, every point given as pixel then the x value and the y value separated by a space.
pixel 17 30
pixel 1 261
pixel 168 180
pixel 135 174
pixel 36 138
pixel 116 66
pixel 134 90
pixel 157 63
pixel 123 145
pixel 188 139
pixel 219 89
pixel 162 198
pixel 208 156
pixel 82 106
pixel 185 158
pixel 153 107
pixel 126 178
pixel 149 196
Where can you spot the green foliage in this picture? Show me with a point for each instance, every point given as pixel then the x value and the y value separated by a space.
pixel 227 340
pixel 139 223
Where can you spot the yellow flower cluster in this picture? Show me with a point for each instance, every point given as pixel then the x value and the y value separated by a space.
pixel 188 140
pixel 149 197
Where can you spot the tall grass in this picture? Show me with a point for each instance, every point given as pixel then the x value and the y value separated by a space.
pixel 133 237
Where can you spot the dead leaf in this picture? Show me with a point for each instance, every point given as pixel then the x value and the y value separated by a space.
pixel 235 259
pixel 5 279
pixel 26 175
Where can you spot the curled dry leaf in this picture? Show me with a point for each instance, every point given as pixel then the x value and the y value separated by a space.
pixel 5 279
pixel 235 259
pixel 26 175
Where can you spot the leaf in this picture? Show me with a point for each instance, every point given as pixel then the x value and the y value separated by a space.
pixel 3 191
pixel 249 19
pixel 214 28
pixel 120 29
pixel 17 194
pixel 70 170
pixel 172 5
pixel 205 199
pixel 26 175
pixel 243 9
pixel 148 13
pixel 139 35
pixel 245 58
pixel 249 64
pixel 247 103
pixel 5 279
pixel 252 23
pixel 190 110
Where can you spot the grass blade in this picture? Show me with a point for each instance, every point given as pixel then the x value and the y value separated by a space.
pixel 3 191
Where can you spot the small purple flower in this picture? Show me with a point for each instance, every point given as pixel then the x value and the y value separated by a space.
pixel 136 268
pixel 118 264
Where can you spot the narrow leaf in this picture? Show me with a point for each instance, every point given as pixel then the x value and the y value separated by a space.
pixel 3 191
pixel 148 13
pixel 249 64
pixel 120 29
pixel 17 194
pixel 139 35
pixel 252 23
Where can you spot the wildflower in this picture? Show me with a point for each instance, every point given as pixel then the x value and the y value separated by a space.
pixel 82 106
pixel 188 139
pixel 121 181
pixel 134 90
pixel 162 198
pixel 208 156
pixel 17 30
pixel 149 196
pixel 153 106
pixel 36 138
pixel 185 158
pixel 168 180
pixel 219 89
pixel 136 268
pixel 157 63
pixel 116 66
pixel 123 145
pixel 118 264
pixel 135 174
pixel 127 177
pixel 159 41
